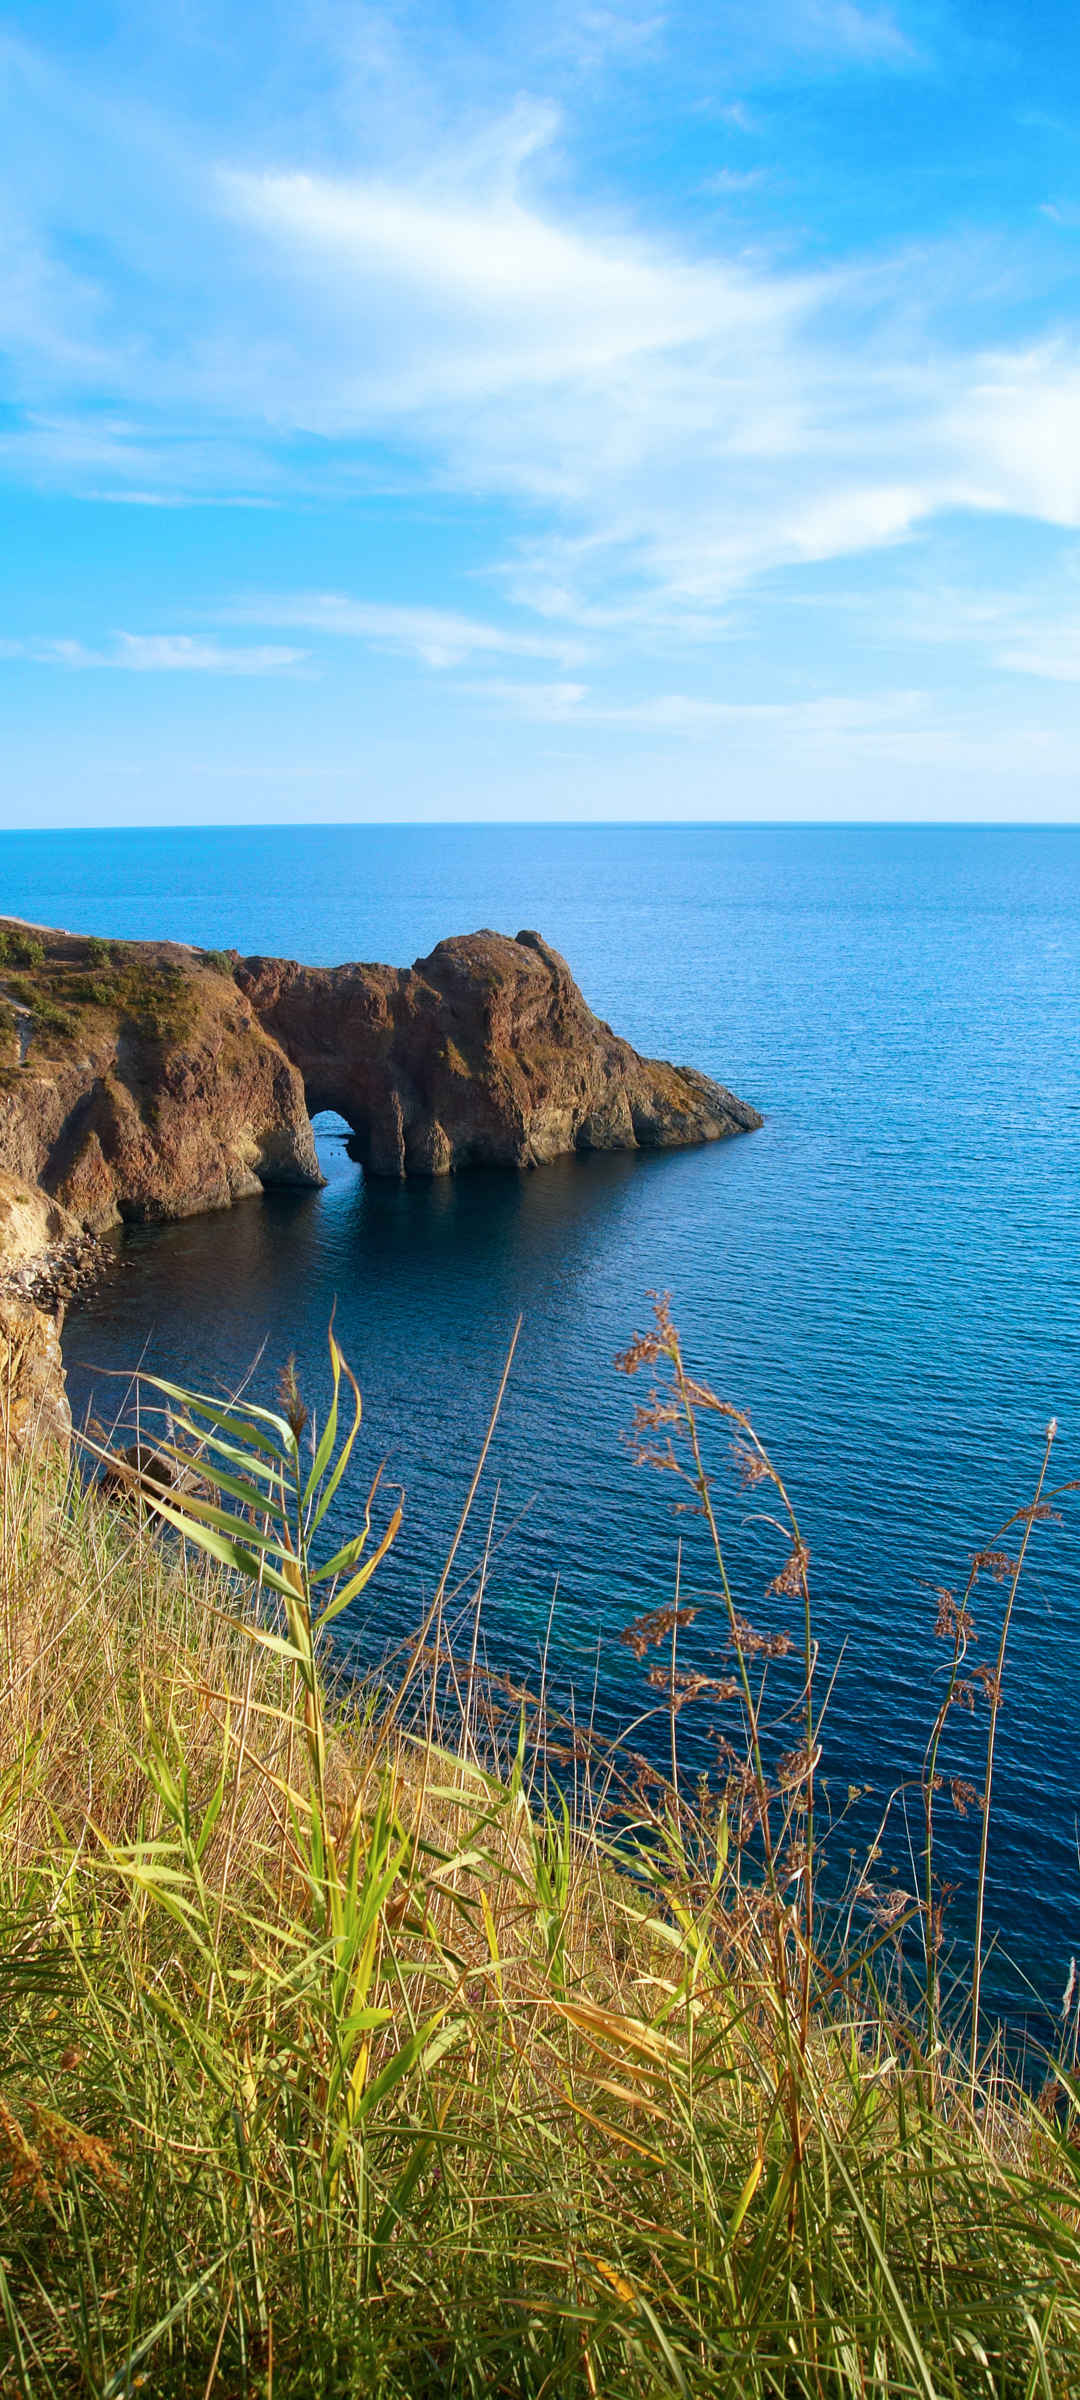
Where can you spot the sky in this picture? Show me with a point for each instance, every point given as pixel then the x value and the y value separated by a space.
pixel 539 411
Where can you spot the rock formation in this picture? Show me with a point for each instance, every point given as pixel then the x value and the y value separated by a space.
pixel 145 1080
pixel 31 1224
pixel 485 1053
pixel 139 1083
pixel 33 1396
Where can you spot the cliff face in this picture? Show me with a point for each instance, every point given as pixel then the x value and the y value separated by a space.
pixel 143 1080
pixel 137 1082
pixel 33 1396
pixel 485 1053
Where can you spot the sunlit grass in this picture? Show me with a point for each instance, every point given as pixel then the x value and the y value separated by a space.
pixel 401 2047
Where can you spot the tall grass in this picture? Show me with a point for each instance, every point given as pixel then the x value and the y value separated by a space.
pixel 397 2045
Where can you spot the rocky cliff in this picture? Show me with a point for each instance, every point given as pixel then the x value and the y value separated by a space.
pixel 145 1080
pixel 136 1081
pixel 33 1397
pixel 485 1053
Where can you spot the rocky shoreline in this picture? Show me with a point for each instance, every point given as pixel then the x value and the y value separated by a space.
pixel 144 1081
pixel 67 1271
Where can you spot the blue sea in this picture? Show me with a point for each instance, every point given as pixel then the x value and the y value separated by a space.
pixel 887 1276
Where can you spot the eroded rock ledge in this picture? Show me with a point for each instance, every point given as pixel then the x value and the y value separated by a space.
pixel 144 1080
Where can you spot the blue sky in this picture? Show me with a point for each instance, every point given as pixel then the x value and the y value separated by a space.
pixel 614 410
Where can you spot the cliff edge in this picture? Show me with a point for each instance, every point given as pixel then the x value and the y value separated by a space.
pixel 136 1081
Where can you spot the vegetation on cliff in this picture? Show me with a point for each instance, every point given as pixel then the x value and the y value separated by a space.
pixel 138 1083
pixel 406 2044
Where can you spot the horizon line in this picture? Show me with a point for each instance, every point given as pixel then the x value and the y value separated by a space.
pixel 559 824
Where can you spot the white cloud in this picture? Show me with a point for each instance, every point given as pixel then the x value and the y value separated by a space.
pixel 1053 655
pixel 439 637
pixel 663 423
pixel 1021 417
pixel 826 717
pixel 731 182
pixel 686 422
pixel 442 298
pixel 870 35
pixel 158 654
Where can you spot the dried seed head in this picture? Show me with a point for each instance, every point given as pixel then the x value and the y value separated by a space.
pixel 791 1581
pixel 645 1632
pixel 685 1685
pixel 994 1562
pixel 752 1468
pixel 25 2165
pixel 646 1348
pixel 954 1622
pixel 753 1644
pixel 643 1351
pixel 797 1765
pixel 289 1396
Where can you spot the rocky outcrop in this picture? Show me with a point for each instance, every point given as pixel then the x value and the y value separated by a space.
pixel 485 1053
pixel 139 1083
pixel 33 1395
pixel 144 1080
pixel 37 1236
pixel 32 1225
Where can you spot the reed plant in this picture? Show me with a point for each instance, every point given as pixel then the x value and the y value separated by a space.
pixel 399 2040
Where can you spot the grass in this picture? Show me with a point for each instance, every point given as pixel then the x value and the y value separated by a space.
pixel 395 2044
pixel 68 983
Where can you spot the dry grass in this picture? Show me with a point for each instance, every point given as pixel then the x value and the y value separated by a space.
pixel 385 2046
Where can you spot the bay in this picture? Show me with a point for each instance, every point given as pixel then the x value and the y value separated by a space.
pixel 887 1276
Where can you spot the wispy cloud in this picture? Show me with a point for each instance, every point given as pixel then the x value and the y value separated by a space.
pixel 677 421
pixel 732 182
pixel 158 654
pixel 1027 633
pixel 690 716
pixel 407 282
pixel 1053 655
pixel 871 35
pixel 749 745
pixel 439 637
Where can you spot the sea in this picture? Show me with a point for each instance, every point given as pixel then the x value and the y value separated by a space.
pixel 886 1278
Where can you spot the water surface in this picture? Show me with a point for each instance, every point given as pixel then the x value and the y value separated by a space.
pixel 887 1276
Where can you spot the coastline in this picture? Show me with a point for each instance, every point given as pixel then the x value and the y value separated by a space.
pixel 142 1082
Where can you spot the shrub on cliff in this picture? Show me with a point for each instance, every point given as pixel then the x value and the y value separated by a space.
pixel 21 950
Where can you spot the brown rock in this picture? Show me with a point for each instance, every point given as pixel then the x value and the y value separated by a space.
pixel 148 1088
pixel 485 1053
pixel 140 1471
pixel 159 1081
pixel 33 1398
pixel 30 1223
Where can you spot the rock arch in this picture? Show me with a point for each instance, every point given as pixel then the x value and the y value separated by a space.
pixel 483 1053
